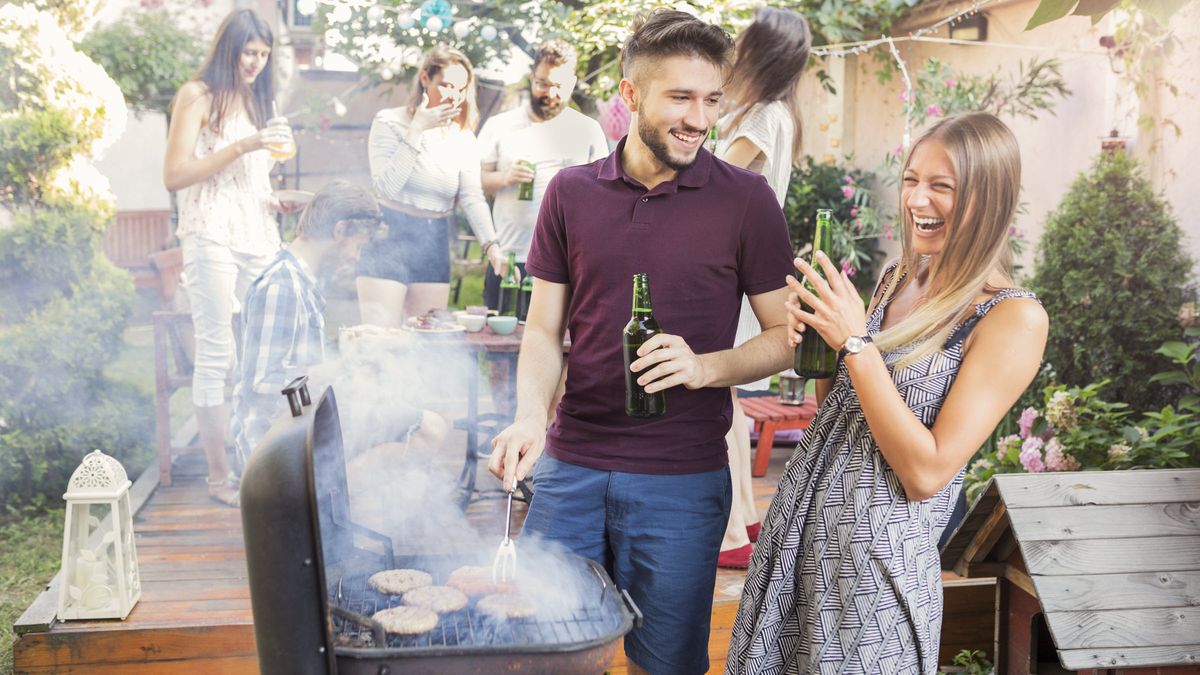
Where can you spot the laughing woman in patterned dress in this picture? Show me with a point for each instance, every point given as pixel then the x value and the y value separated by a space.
pixel 846 576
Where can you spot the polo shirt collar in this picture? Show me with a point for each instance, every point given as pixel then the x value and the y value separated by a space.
pixel 694 176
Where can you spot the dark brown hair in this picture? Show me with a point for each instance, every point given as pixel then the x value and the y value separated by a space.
pixel 436 60
pixel 669 32
pixel 339 201
pixel 554 52
pixel 771 55
pixel 221 72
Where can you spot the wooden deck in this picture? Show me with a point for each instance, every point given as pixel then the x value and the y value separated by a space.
pixel 194 615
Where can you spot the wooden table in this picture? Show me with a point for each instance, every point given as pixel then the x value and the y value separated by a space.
pixel 769 416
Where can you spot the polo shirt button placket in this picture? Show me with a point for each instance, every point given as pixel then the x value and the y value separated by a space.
pixel 645 199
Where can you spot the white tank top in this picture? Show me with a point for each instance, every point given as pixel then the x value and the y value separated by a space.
pixel 233 206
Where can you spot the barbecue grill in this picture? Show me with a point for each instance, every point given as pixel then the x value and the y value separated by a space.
pixel 308 564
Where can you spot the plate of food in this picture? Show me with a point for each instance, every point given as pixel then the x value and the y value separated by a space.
pixel 297 197
pixel 434 321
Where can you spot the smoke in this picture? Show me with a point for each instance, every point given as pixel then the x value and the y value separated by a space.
pixel 411 493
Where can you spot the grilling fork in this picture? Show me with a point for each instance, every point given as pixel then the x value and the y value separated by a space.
pixel 504 567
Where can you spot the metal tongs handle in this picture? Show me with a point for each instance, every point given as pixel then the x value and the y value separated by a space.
pixel 504 567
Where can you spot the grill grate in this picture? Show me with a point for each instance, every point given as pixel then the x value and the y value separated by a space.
pixel 469 627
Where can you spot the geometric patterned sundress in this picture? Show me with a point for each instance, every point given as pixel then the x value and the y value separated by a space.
pixel 846 576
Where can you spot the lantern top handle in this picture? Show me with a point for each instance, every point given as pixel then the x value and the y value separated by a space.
pixel 99 476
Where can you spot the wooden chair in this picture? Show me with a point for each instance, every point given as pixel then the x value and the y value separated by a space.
pixel 769 416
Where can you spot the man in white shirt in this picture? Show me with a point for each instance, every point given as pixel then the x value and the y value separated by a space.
pixel 547 133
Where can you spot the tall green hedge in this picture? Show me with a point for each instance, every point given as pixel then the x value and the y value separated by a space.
pixel 1113 272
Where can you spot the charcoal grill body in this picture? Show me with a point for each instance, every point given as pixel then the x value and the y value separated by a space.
pixel 310 600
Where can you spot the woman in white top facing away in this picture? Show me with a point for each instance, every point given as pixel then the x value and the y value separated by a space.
pixel 217 162
pixel 424 159
pixel 760 132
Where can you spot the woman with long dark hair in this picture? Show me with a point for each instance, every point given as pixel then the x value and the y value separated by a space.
pixel 218 162
pixel 424 160
pixel 760 131
pixel 846 577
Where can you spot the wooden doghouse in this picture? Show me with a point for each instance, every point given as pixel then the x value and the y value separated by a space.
pixel 1103 567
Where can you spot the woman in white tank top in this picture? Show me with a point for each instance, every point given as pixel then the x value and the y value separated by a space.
pixel 217 163
pixel 760 132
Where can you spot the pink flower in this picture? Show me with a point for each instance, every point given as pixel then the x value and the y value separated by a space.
pixel 848 179
pixel 1005 444
pixel 934 111
pixel 1057 460
pixel 848 191
pixel 1025 424
pixel 904 95
pixel 897 150
pixel 853 212
pixel 1031 455
pixel 848 270
pixel 951 83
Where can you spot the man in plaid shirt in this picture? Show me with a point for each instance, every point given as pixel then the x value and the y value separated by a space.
pixel 284 325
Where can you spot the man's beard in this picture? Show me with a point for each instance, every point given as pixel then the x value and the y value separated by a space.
pixel 654 139
pixel 546 108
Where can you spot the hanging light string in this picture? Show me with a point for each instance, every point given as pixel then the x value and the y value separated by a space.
pixel 909 94
pixel 860 47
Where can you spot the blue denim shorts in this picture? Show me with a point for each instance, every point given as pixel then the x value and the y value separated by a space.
pixel 415 250
pixel 658 537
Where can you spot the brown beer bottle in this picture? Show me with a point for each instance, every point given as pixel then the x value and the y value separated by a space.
pixel 640 329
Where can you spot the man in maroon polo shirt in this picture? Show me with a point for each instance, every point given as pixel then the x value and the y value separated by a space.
pixel 649 498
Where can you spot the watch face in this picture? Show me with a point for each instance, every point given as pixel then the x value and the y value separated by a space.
pixel 854 344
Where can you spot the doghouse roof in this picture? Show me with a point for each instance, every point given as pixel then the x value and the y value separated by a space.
pixel 1113 558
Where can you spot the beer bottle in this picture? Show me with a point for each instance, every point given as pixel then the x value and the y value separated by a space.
pixel 639 329
pixel 814 358
pixel 524 298
pixel 510 288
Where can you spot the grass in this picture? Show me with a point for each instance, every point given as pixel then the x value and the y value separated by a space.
pixel 30 552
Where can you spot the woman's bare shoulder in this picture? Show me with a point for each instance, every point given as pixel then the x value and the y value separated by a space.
pixel 193 94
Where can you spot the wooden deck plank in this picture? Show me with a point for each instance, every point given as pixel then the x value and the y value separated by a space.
pixel 1106 522
pixel 1073 488
pixel 1119 591
pixel 1110 556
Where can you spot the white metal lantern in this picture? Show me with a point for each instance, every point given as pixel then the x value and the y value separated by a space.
pixel 99 577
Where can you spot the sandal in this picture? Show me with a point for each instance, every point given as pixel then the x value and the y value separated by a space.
pixel 225 490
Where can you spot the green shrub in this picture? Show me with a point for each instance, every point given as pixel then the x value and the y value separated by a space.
pixel 36 144
pixel 857 226
pixel 43 256
pixel 1112 273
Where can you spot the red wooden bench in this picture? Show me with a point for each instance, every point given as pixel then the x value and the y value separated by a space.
pixel 769 416
pixel 132 237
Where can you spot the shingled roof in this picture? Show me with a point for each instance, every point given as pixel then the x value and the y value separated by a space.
pixel 1113 558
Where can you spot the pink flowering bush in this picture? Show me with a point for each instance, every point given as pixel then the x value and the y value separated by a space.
pixel 1076 430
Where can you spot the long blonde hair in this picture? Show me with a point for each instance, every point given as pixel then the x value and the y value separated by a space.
pixel 436 60
pixel 987 166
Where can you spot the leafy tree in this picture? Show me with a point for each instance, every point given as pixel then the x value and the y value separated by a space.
pixel 149 54
pixel 1112 273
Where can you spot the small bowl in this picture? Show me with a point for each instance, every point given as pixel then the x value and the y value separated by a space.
pixel 472 322
pixel 502 325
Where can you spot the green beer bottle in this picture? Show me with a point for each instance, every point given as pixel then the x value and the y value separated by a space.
pixel 525 297
pixel 814 358
pixel 639 329
pixel 510 288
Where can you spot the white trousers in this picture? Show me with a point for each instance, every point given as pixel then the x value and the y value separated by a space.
pixel 216 279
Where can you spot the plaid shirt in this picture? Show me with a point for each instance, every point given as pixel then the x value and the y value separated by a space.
pixel 283 337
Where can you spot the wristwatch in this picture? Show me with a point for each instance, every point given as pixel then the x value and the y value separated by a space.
pixel 854 344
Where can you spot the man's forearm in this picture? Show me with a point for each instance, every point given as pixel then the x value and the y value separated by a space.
pixel 539 367
pixel 493 181
pixel 766 354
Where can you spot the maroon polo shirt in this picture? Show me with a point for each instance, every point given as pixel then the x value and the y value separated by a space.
pixel 703 239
